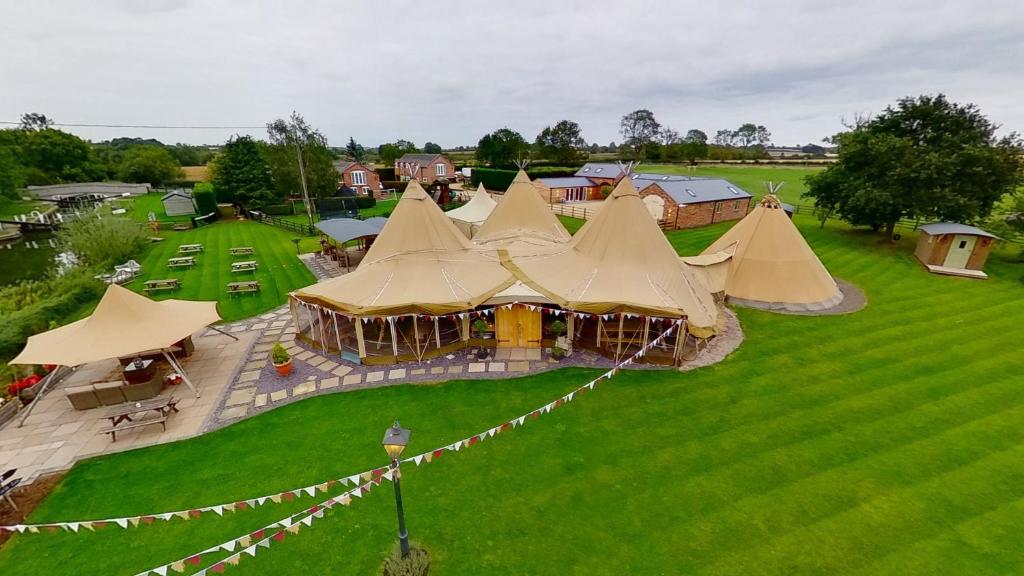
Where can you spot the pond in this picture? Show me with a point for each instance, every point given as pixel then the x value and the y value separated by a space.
pixel 30 257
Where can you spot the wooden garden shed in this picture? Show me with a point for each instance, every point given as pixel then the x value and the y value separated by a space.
pixel 954 249
pixel 179 203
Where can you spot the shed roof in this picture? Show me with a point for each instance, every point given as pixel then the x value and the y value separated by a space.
pixel 939 228
pixel 186 194
pixel 567 182
pixel 600 170
pixel 695 190
pixel 345 229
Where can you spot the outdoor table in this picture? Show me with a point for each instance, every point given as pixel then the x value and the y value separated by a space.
pixel 246 266
pixel 243 251
pixel 190 248
pixel 162 284
pixel 164 406
pixel 252 286
pixel 181 262
pixel 140 370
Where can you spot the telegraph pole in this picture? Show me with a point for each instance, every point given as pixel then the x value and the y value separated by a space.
pixel 305 189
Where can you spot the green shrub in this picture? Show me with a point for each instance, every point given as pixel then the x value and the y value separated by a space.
pixel 64 297
pixel 417 563
pixel 279 209
pixel 557 327
pixel 206 199
pixel 365 202
pixel 279 354
pixel 103 242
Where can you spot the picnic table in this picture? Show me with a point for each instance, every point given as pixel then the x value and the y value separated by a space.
pixel 245 266
pixel 190 248
pixel 134 415
pixel 181 227
pixel 162 284
pixel 243 251
pixel 181 262
pixel 251 286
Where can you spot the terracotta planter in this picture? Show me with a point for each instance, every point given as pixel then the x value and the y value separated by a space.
pixel 284 369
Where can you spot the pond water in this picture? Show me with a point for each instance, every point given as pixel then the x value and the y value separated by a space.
pixel 30 257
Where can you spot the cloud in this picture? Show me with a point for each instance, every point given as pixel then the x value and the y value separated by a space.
pixel 450 71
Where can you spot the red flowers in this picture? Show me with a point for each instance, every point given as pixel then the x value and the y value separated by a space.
pixel 19 385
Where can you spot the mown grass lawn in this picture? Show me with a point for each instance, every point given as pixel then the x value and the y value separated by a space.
pixel 279 270
pixel 890 441
pixel 751 178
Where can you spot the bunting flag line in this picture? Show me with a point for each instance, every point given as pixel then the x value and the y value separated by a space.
pixel 252 543
pixel 352 479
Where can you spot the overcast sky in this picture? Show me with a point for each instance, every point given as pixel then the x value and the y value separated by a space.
pixel 451 71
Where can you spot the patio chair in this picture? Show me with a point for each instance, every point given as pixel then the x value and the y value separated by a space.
pixel 82 397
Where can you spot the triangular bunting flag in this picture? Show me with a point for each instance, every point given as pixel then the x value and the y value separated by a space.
pixel 308 520
pixel 250 550
pixel 178 566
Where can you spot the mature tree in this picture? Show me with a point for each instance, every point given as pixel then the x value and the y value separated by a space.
pixel 188 155
pixel 749 134
pixel 35 121
pixel 390 152
pixel 695 135
pixel 502 147
pixel 240 174
pixel 725 138
pixel 639 128
pixel 11 176
pixel 432 148
pixel 562 143
pixel 60 156
pixel 926 157
pixel 288 140
pixel 668 136
pixel 355 150
pixel 151 164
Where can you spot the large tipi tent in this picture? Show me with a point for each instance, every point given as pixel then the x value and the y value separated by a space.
pixel 772 266
pixel 521 219
pixel 420 263
pixel 470 217
pixel 620 261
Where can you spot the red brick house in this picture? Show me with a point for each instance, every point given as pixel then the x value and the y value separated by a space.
pixel 424 167
pixel 571 189
pixel 688 202
pixel 359 177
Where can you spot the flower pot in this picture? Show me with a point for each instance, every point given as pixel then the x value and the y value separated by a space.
pixel 284 369
pixel 482 354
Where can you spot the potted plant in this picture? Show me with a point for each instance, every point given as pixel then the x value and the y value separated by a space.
pixel 561 348
pixel 480 327
pixel 557 354
pixel 282 360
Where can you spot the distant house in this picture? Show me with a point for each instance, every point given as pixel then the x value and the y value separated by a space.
pixel 359 177
pixel 179 203
pixel 601 173
pixel 424 167
pixel 571 189
pixel 955 249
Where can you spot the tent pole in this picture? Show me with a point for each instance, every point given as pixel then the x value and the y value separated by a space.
pixel 416 336
pixel 174 364
pixel 394 339
pixel 570 327
pixel 42 389
pixel 465 328
pixel 337 332
pixel 212 327
pixel 618 343
pixel 360 342
pixel 647 330
pixel 437 333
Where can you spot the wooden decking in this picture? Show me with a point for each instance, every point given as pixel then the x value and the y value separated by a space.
pixel 956 272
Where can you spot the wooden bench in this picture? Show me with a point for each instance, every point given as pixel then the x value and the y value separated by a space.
pixel 164 284
pixel 128 425
pixel 182 262
pixel 247 266
pixel 243 251
pixel 250 287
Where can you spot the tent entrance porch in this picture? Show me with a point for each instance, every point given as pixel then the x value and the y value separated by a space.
pixel 517 327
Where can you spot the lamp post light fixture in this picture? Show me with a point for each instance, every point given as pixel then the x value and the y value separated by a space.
pixel 395 440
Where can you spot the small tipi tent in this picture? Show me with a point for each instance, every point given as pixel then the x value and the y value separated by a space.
pixel 772 266
pixel 521 217
pixel 470 217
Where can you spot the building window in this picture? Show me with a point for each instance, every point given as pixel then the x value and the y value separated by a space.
pixel 718 207
pixel 358 178
pixel 736 206
pixel 439 169
pixel 366 190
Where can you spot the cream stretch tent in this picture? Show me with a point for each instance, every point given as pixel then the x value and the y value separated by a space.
pixel 521 219
pixel 124 323
pixel 772 266
pixel 470 217
pixel 420 263
pixel 620 261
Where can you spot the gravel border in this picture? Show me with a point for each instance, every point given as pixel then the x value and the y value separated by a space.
pixel 854 300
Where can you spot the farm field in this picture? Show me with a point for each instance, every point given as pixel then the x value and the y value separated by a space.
pixel 279 270
pixel 890 441
pixel 750 178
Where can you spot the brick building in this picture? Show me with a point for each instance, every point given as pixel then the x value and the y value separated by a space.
pixel 571 189
pixel 359 177
pixel 424 167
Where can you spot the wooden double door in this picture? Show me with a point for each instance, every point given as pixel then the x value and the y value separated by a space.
pixel 517 327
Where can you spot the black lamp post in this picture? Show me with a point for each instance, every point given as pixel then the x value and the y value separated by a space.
pixel 395 440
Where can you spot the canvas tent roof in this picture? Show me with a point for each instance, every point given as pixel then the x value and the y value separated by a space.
pixel 419 263
pixel 620 261
pixel 473 214
pixel 345 229
pixel 522 217
pixel 773 266
pixel 123 324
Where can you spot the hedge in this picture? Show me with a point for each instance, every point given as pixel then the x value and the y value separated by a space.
pixel 398 185
pixel 279 209
pixel 15 328
pixel 500 179
pixel 206 200
pixel 365 202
